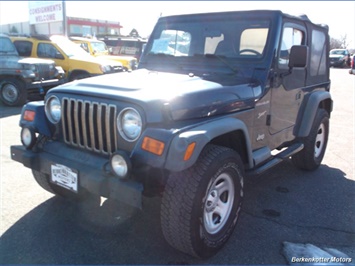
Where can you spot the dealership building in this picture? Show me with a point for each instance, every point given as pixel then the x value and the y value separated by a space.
pixel 49 18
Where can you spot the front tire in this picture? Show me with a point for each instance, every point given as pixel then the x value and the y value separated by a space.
pixel 201 205
pixel 13 92
pixel 315 143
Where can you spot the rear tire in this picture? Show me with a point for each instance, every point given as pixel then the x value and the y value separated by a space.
pixel 201 205
pixel 13 92
pixel 315 143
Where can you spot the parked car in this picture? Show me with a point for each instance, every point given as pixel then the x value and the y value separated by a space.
pixel 77 64
pixel 130 46
pixel 99 49
pixel 23 78
pixel 352 66
pixel 191 123
pixel 339 58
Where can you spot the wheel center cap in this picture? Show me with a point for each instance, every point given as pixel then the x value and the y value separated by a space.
pixel 212 200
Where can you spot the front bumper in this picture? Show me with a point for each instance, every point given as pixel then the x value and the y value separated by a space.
pixel 336 63
pixel 93 171
pixel 45 84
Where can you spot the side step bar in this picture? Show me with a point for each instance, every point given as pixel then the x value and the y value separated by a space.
pixel 278 158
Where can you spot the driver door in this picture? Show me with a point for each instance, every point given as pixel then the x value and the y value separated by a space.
pixel 287 91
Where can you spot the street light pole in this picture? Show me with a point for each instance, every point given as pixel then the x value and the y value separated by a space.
pixel 65 24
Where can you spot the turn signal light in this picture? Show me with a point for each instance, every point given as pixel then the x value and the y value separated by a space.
pixel 189 151
pixel 153 145
pixel 29 115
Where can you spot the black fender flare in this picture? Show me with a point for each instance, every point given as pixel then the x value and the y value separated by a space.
pixel 202 135
pixel 310 110
pixel 75 72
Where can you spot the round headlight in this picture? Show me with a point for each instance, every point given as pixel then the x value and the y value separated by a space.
pixel 33 68
pixel 53 109
pixel 28 137
pixel 129 124
pixel 105 68
pixel 120 164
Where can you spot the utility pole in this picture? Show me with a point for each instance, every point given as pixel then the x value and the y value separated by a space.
pixel 65 20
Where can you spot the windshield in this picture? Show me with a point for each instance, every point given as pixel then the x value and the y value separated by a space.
pixel 99 47
pixel 68 47
pixel 230 39
pixel 338 52
pixel 6 46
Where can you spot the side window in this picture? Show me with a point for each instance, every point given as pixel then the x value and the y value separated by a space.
pixel 6 45
pixel 23 48
pixel 253 41
pixel 85 47
pixel 290 36
pixel 318 52
pixel 47 50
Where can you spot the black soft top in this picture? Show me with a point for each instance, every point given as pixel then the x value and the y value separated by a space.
pixel 247 13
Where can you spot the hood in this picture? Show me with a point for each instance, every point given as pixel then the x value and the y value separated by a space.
pixel 181 96
pixel 336 56
pixel 31 60
pixel 116 57
pixel 95 60
pixel 14 61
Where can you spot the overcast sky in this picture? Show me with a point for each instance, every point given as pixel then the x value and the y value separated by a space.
pixel 142 15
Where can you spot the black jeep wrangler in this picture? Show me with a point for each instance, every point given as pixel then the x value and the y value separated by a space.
pixel 216 97
pixel 22 78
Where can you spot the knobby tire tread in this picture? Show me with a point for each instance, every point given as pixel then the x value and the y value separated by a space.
pixel 179 198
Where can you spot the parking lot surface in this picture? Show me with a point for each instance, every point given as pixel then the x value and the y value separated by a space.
pixel 284 205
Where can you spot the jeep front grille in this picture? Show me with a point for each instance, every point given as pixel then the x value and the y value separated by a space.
pixel 90 125
pixel 45 72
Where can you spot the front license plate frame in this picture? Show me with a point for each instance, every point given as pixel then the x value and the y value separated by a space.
pixel 65 177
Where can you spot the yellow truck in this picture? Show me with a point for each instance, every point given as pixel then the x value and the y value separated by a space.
pixel 98 48
pixel 75 62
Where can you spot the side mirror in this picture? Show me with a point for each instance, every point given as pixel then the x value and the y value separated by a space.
pixel 298 56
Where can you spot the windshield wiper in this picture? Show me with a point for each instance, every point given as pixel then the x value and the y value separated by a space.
pixel 220 58
pixel 171 60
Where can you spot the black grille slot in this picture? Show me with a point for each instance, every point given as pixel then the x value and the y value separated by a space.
pixel 90 125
